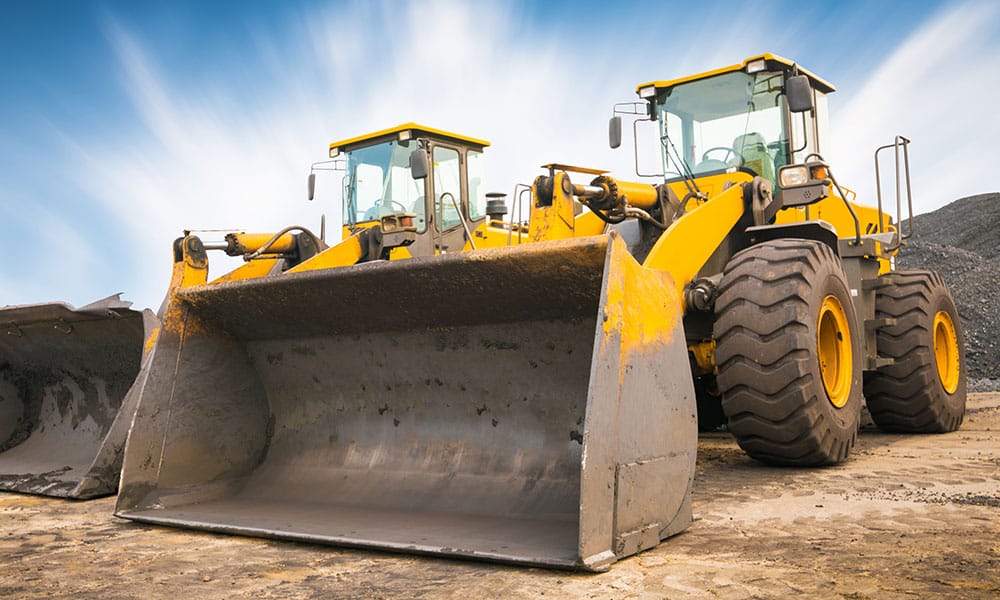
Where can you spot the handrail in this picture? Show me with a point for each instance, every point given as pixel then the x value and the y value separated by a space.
pixel 898 143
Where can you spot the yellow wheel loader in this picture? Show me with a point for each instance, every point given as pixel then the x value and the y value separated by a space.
pixel 529 393
pixel 65 406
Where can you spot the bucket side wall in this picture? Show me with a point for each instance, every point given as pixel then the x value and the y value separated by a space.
pixel 640 441
pixel 202 417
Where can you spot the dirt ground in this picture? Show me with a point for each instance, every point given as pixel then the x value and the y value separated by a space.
pixel 906 517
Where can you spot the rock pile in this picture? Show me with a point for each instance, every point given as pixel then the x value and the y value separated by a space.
pixel 961 241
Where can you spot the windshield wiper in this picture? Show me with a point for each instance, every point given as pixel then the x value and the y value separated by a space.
pixel 686 173
pixel 352 203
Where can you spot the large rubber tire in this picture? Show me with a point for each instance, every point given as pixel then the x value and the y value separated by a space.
pixel 923 391
pixel 774 300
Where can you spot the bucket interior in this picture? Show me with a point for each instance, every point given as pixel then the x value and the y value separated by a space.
pixel 437 407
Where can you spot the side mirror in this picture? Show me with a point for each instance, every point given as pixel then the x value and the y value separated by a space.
pixel 615 131
pixel 311 184
pixel 418 164
pixel 799 94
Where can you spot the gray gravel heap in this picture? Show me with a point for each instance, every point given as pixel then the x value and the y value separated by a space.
pixel 961 241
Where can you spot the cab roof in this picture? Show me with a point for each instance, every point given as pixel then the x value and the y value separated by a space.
pixel 407 131
pixel 772 61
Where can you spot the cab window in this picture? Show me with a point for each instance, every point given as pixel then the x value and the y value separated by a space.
pixel 447 188
pixel 477 185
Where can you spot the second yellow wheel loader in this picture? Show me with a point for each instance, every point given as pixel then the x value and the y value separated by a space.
pixel 529 393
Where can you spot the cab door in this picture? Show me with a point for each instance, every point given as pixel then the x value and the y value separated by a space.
pixel 449 199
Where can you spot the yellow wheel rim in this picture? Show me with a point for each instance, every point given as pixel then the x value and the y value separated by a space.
pixel 946 351
pixel 834 350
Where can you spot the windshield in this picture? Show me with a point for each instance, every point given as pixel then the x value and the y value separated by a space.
pixel 379 183
pixel 730 120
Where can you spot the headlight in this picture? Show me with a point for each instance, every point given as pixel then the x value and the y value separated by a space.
pixel 647 92
pixel 793 175
pixel 334 152
pixel 756 66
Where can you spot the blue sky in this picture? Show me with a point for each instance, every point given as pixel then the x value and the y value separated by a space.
pixel 121 124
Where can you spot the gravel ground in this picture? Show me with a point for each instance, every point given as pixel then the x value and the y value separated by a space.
pixel 908 516
pixel 961 241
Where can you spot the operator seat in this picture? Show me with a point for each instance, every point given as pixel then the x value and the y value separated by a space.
pixel 753 149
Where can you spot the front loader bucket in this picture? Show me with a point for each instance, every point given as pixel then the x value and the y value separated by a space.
pixel 529 405
pixel 64 377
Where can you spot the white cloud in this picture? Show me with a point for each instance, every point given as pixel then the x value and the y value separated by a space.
pixel 940 89
pixel 232 152
pixel 206 160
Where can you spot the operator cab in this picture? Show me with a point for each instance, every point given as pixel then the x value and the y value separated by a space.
pixel 444 188
pixel 737 117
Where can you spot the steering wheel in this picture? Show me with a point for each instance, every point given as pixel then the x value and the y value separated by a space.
pixel 395 206
pixel 725 158
pixel 376 211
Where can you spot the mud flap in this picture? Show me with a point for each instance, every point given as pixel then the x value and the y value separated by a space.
pixel 64 406
pixel 528 405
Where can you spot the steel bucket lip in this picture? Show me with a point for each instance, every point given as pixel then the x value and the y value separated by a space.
pixel 41 312
pixel 161 518
pixel 558 280
pixel 589 247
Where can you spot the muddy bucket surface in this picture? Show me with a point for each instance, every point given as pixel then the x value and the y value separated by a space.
pixel 64 377
pixel 503 404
